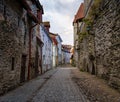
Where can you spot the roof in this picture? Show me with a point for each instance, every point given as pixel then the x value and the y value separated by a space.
pixel 66 48
pixel 53 36
pixel 54 40
pixel 80 13
pixel 60 38
pixel 46 24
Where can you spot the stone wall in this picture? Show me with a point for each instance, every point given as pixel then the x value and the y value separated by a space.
pixel 11 45
pixel 100 50
pixel 87 55
pixel 107 42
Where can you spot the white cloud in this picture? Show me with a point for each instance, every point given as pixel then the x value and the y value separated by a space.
pixel 66 1
pixel 61 13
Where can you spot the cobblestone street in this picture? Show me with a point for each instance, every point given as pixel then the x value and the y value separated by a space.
pixel 54 86
pixel 60 51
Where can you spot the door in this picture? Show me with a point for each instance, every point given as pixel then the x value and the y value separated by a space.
pixel 23 67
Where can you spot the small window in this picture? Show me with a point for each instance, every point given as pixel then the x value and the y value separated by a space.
pixel 13 63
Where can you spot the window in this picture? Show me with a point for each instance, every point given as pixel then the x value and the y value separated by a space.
pixel 13 63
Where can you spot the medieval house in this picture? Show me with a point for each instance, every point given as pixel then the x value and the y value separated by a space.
pixel 99 40
pixel 19 39
pixel 66 54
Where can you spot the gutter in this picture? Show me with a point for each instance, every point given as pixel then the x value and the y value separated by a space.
pixel 29 63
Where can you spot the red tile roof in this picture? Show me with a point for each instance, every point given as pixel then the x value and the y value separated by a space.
pixel 53 36
pixel 66 47
pixel 46 24
pixel 54 40
pixel 80 13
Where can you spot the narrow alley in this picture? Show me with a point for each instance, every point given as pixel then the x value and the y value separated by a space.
pixel 54 86
pixel 60 51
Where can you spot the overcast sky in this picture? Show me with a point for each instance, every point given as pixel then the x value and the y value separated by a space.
pixel 61 13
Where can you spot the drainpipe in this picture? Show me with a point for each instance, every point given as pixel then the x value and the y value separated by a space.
pixel 29 63
pixel 41 61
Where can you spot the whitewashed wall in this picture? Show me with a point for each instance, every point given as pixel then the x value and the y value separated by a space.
pixel 46 50
pixel 59 50
pixel 66 57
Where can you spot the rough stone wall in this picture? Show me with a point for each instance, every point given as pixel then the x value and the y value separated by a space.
pixel 11 45
pixel 107 42
pixel 75 43
pixel 100 52
pixel 86 56
pixel 91 55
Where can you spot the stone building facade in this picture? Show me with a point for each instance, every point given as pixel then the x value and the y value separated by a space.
pixel 54 49
pixel 99 48
pixel 107 42
pixel 87 53
pixel 66 54
pixel 77 22
pixel 16 20
pixel 59 40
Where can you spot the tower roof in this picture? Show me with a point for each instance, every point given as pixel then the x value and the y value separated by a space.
pixel 80 13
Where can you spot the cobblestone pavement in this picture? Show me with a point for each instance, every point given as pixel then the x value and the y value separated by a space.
pixel 23 93
pixel 95 88
pixel 60 88
pixel 55 86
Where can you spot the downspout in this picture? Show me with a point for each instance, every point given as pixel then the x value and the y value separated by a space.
pixel 41 61
pixel 29 63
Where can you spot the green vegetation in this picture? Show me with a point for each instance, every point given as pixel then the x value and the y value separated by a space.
pixel 82 35
pixel 94 11
pixel 89 20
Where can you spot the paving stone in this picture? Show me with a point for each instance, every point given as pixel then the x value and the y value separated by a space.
pixel 54 86
pixel 60 88
pixel 96 89
pixel 23 93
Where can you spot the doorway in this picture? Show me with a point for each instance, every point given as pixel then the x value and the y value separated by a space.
pixel 93 69
pixel 23 67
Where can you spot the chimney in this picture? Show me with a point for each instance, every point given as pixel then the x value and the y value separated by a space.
pixel 47 25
